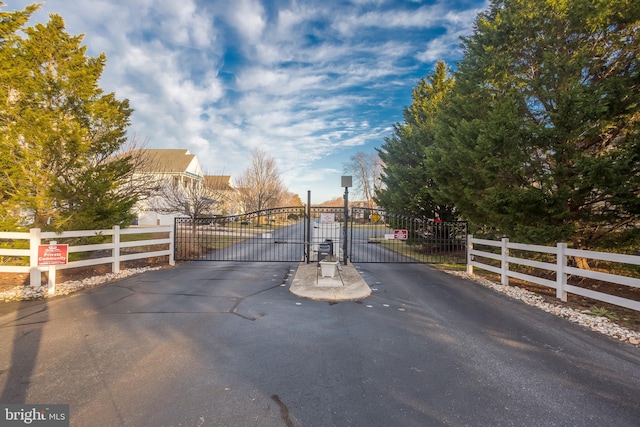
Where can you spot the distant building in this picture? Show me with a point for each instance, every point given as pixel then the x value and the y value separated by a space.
pixel 178 166
pixel 222 189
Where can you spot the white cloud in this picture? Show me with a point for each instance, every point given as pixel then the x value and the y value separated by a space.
pixel 310 82
pixel 247 18
pixel 458 24
pixel 277 82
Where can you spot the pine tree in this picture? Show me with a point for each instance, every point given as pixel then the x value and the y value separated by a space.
pixel 61 133
pixel 408 185
pixel 540 138
pixel 11 68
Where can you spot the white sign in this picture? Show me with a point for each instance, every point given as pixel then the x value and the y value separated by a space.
pixel 327 218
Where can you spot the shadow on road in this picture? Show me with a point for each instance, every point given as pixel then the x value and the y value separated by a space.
pixel 28 322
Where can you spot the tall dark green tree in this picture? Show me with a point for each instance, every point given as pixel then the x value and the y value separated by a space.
pixel 60 132
pixel 407 182
pixel 10 23
pixel 540 137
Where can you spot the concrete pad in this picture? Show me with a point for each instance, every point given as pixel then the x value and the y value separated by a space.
pixel 347 285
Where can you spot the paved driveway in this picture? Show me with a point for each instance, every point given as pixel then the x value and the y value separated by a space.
pixel 226 344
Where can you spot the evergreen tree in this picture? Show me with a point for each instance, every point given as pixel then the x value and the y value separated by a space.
pixel 10 69
pixel 61 133
pixel 408 184
pixel 540 137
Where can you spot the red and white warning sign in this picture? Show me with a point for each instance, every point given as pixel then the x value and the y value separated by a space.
pixel 397 235
pixel 400 234
pixel 52 254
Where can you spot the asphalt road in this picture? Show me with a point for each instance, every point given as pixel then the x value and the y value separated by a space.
pixel 226 344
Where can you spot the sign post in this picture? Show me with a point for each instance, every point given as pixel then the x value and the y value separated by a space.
pixel 51 255
pixel 346 182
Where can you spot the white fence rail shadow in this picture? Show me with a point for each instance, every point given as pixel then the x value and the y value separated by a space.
pixel 35 238
pixel 560 267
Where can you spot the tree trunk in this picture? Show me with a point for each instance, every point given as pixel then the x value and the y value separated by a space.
pixel 582 263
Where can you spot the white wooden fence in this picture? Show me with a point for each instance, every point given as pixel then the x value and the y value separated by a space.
pixel 560 267
pixel 35 237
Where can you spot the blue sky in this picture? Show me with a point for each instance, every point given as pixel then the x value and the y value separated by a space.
pixel 310 82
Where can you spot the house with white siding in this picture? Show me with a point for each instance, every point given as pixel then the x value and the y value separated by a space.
pixel 177 166
pixel 223 190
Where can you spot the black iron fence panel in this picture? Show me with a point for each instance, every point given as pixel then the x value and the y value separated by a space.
pixel 268 235
pixel 380 236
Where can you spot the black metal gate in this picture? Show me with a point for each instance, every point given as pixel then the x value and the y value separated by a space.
pixel 380 236
pixel 295 234
pixel 268 235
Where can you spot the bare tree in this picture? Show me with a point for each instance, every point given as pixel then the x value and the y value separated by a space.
pixel 137 184
pixel 192 198
pixel 366 169
pixel 172 183
pixel 289 199
pixel 259 186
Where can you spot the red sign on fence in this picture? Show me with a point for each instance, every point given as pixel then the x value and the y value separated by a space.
pixel 400 234
pixel 52 254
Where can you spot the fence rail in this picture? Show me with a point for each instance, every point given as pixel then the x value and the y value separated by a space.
pixel 35 237
pixel 560 267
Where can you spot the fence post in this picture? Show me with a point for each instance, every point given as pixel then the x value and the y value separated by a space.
pixel 35 276
pixel 172 246
pixel 469 249
pixel 51 280
pixel 115 267
pixel 561 275
pixel 504 263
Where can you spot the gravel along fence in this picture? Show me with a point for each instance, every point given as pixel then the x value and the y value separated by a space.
pixel 599 324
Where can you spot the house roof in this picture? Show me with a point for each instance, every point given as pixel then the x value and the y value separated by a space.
pixel 171 160
pixel 218 182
